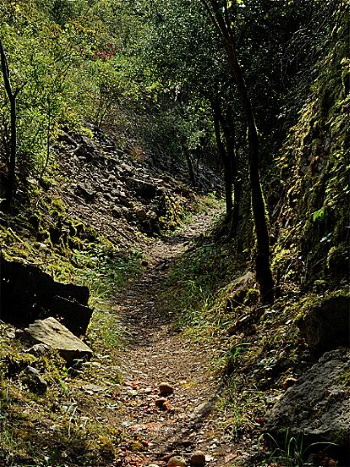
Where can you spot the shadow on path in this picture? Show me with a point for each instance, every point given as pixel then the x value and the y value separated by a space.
pixel 139 313
pixel 156 351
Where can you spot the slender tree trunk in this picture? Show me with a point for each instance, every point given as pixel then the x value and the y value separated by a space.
pixel 48 140
pixel 263 270
pixel 224 157
pixel 189 164
pixel 186 152
pixel 220 18
pixel 237 194
pixel 237 184
pixel 229 132
pixel 13 139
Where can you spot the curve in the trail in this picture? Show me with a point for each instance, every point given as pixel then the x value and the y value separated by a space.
pixel 155 351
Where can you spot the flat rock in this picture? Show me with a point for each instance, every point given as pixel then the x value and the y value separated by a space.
pixel 53 334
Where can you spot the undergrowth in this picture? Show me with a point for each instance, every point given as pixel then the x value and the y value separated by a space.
pixel 59 426
pixel 71 423
pixel 74 421
pixel 256 348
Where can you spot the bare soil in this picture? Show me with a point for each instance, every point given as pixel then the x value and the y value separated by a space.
pixel 157 351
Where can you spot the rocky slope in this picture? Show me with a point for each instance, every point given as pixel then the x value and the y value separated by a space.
pixel 90 221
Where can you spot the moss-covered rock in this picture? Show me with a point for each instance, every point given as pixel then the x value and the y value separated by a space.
pixel 325 324
pixel 312 220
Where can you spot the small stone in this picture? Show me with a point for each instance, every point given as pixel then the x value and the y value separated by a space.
pixel 38 350
pixel 176 461
pixel 126 424
pixel 198 459
pixel 166 389
pixel 93 388
pixel 10 333
pixel 169 407
pixel 164 404
pixel 161 402
pixel 35 382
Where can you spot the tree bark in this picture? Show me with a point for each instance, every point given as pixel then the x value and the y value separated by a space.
pixel 224 157
pixel 230 133
pixel 189 164
pixel 262 261
pixel 10 192
pixel 222 22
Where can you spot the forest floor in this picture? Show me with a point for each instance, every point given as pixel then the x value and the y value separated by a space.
pixel 158 351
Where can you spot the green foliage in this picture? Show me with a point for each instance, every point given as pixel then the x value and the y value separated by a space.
pixel 103 270
pixel 231 355
pixel 148 71
pixel 292 452
pixel 318 215
pixel 67 65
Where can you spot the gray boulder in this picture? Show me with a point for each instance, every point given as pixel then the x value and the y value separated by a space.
pixel 318 405
pixel 142 188
pixel 53 334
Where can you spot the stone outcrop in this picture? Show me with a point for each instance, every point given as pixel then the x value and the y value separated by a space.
pixel 326 324
pixel 53 334
pixel 28 294
pixel 318 405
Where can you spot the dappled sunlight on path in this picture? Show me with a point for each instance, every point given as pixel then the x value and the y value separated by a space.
pixel 156 351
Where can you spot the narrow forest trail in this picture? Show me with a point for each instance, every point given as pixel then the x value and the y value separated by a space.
pixel 157 352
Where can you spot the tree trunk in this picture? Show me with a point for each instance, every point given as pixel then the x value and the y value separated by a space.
pixel 10 192
pixel 263 270
pixel 220 18
pixel 224 157
pixel 229 132
pixel 189 164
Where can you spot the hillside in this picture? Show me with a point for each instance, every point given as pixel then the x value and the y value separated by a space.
pixel 174 233
pixel 94 225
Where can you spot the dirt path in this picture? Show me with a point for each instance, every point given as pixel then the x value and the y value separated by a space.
pixel 157 352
